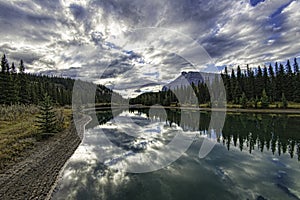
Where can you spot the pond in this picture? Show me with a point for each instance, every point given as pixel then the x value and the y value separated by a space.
pixel 255 156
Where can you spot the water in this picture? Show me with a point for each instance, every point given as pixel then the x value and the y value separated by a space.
pixel 256 156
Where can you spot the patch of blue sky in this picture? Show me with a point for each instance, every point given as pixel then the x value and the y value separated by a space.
pixel 255 2
pixel 155 74
pixel 280 9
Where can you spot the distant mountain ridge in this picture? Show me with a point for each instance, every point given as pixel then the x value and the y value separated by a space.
pixel 187 78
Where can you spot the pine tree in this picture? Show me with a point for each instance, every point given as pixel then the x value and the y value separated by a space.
pixel 256 100
pixel 259 82
pixel 2 88
pixel 47 121
pixel 288 82
pixel 264 100
pixel 267 82
pixel 296 66
pixel 244 100
pixel 239 77
pixel 272 87
pixel 7 68
pixel 288 67
pixel 4 63
pixel 280 78
pixel 251 83
pixel 233 85
pixel 21 67
pixel 226 80
pixel 13 68
pixel 284 101
pixel 23 90
pixel 10 90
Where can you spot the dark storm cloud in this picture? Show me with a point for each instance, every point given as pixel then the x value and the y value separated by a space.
pixel 15 55
pixel 27 56
pixel 7 48
pixel 78 11
pixel 74 34
pixel 221 45
pixel 17 16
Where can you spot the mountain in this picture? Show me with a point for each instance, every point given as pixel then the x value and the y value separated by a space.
pixel 187 78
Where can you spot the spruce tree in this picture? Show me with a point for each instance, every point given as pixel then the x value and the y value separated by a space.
pixel 296 66
pixel 13 68
pixel 288 82
pixel 233 85
pixel 284 101
pixel 244 100
pixel 7 68
pixel 47 121
pixel 251 82
pixel 259 82
pixel 226 80
pixel 2 87
pixel 21 67
pixel 264 100
pixel 9 91
pixel 24 85
pixel 4 63
pixel 272 87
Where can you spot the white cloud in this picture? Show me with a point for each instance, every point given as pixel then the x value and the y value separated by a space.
pixel 60 34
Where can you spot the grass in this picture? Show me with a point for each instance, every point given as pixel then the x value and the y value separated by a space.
pixel 16 136
pixel 18 132
pixel 294 105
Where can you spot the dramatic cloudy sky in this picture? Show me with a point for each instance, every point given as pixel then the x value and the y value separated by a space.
pixel 133 44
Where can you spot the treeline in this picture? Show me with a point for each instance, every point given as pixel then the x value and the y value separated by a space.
pixel 278 83
pixel 18 87
pixel 185 95
pixel 251 88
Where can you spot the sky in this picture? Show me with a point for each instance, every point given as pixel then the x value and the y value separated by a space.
pixel 135 46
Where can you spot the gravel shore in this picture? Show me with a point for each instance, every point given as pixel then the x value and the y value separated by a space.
pixel 34 176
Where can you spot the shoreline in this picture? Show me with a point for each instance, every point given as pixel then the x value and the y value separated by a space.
pixel 227 110
pixel 37 174
pixel 55 186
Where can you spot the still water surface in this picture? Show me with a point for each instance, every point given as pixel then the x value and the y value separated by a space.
pixel 256 156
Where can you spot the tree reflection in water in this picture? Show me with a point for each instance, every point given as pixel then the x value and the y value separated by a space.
pixel 276 133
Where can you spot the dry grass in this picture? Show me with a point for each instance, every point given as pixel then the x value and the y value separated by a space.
pixel 15 112
pixel 16 136
pixel 294 105
pixel 18 132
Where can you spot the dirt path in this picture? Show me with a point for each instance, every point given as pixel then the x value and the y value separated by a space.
pixel 35 175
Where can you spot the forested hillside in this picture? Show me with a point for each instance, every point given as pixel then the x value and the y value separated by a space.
pixel 257 87
pixel 18 87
